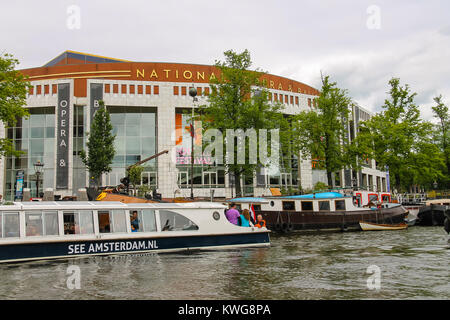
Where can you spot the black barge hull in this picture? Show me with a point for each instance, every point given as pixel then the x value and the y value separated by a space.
pixel 287 221
pixel 432 215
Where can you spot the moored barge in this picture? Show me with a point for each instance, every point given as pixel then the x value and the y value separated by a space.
pixel 321 211
pixel 49 230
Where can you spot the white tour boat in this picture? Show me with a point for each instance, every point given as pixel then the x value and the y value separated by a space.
pixel 62 229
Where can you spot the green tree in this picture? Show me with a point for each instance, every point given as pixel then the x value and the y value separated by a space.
pixel 134 174
pixel 100 145
pixel 442 134
pixel 239 101
pixel 322 133
pixel 13 93
pixel 398 138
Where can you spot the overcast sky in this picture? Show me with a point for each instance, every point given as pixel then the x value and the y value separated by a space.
pixel 360 44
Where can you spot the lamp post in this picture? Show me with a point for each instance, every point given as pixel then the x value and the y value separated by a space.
pixel 38 167
pixel 435 184
pixel 193 94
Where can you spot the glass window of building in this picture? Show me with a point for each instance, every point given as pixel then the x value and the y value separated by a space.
pixel 135 129
pixel 34 136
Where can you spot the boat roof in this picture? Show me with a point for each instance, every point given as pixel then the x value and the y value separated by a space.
pixel 94 205
pixel 318 195
pixel 437 201
pixel 249 200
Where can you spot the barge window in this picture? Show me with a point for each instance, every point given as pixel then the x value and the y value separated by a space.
pixel 340 204
pixel 307 206
pixel 288 205
pixel 172 221
pixel 257 207
pixel 78 222
pixel 324 205
pixel 142 220
pixel 10 224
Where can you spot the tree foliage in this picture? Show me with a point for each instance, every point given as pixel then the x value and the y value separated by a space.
pixel 442 136
pixel 134 174
pixel 235 103
pixel 13 93
pixel 398 138
pixel 321 133
pixel 100 145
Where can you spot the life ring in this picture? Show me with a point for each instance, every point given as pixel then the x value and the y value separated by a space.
pixel 290 227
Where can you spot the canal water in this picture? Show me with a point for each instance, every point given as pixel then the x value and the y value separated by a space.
pixel 409 264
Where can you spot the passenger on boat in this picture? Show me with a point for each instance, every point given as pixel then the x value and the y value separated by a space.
pixel 232 214
pixel 134 222
pixel 260 222
pixel 245 218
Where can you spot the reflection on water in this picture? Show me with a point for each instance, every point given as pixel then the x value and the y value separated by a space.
pixel 413 264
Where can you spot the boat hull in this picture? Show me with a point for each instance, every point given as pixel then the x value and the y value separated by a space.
pixel 432 215
pixel 42 250
pixel 286 221
pixel 379 227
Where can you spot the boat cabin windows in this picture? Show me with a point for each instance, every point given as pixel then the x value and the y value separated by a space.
pixel 172 221
pixel 9 224
pixel 39 223
pixel 289 205
pixel 357 200
pixel 307 205
pixel 385 198
pixel 324 205
pixel 78 222
pixel 340 204
pixel 142 220
pixel 373 197
pixel 257 207
pixel 112 221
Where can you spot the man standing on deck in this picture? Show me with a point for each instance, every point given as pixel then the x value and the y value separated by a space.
pixel 232 214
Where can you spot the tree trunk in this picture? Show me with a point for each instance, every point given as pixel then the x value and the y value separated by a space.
pixel 237 184
pixel 329 179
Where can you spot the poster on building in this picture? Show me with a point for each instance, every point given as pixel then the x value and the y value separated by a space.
pixel 96 96
pixel 185 133
pixel 63 133
pixel 19 185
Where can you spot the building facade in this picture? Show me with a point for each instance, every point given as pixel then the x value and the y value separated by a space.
pixel 150 109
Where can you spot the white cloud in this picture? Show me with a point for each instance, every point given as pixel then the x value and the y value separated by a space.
pixel 295 39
